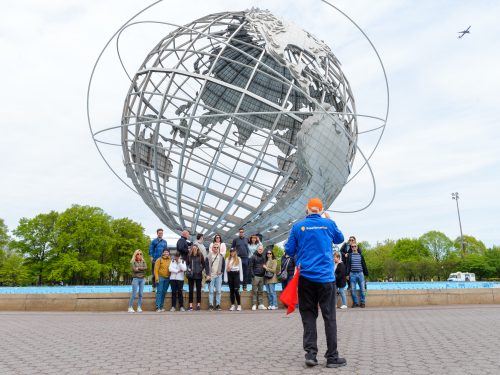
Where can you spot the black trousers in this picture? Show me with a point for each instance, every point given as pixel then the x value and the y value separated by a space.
pixel 233 279
pixel 153 281
pixel 246 274
pixel 177 286
pixel 191 283
pixel 310 295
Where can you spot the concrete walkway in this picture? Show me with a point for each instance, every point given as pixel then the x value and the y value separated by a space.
pixel 418 340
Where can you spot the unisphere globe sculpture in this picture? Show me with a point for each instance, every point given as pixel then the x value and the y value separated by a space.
pixel 236 120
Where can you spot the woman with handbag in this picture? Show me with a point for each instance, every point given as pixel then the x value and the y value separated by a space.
pixel 195 266
pixel 287 270
pixel 233 275
pixel 270 279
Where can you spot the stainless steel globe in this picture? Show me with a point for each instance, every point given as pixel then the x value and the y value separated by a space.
pixel 236 120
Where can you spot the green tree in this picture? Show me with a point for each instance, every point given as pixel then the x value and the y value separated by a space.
pixel 407 249
pixel 35 241
pixel 472 245
pixel 4 236
pixel 409 253
pixel 12 270
pixel 85 237
pixel 449 264
pixel 127 236
pixel 437 243
pixel 478 264
pixel 377 258
pixel 493 259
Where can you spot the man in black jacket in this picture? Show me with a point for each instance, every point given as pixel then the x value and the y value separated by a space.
pixel 257 272
pixel 240 243
pixel 356 270
pixel 345 250
pixel 183 245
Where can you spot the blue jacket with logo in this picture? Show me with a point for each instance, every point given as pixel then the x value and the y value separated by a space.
pixel 156 248
pixel 310 241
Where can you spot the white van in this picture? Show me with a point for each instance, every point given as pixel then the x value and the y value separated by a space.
pixel 462 276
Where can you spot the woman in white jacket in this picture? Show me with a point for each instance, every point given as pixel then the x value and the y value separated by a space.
pixel 233 275
pixel 177 268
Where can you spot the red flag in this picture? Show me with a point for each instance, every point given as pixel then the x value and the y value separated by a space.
pixel 290 296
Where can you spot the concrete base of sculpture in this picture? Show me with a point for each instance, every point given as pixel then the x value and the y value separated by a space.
pixel 119 301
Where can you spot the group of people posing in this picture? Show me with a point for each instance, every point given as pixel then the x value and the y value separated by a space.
pixel 247 263
pixel 247 257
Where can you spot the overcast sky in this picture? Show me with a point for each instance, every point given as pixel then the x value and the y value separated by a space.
pixel 442 135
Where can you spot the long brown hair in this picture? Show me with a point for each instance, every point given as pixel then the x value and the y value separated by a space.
pixel 198 253
pixel 235 258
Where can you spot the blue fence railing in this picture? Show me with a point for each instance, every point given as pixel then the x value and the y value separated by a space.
pixel 147 288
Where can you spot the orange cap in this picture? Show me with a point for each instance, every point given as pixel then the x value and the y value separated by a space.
pixel 315 205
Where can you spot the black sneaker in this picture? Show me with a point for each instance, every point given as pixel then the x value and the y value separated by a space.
pixel 198 308
pixel 355 305
pixel 311 362
pixel 210 308
pixel 337 362
pixel 218 308
pixel 363 305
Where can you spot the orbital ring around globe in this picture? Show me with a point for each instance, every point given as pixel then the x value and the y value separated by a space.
pixel 227 124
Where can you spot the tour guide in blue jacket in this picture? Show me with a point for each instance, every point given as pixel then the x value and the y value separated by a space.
pixel 310 241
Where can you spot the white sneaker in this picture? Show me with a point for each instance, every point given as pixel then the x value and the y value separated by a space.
pixel 182 309
pixel 131 310
pixel 139 309
pixel 162 310
pixel 269 307
pixel 172 309
pixel 262 307
pixel 158 310
pixel 232 308
pixel 238 308
pixel 275 307
pixel 343 307
pixel 254 307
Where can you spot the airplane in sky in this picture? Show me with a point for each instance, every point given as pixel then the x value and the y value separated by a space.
pixel 462 33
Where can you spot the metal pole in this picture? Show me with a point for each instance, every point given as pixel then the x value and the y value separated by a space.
pixel 455 197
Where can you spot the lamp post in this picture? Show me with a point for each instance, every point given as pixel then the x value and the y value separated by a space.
pixel 455 197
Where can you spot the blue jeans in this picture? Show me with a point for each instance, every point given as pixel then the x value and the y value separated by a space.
pixel 137 285
pixel 342 295
pixel 161 292
pixel 357 278
pixel 216 283
pixel 271 294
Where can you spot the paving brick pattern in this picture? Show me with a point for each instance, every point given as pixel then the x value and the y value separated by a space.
pixel 423 340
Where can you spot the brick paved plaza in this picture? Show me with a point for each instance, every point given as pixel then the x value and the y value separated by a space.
pixel 419 340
